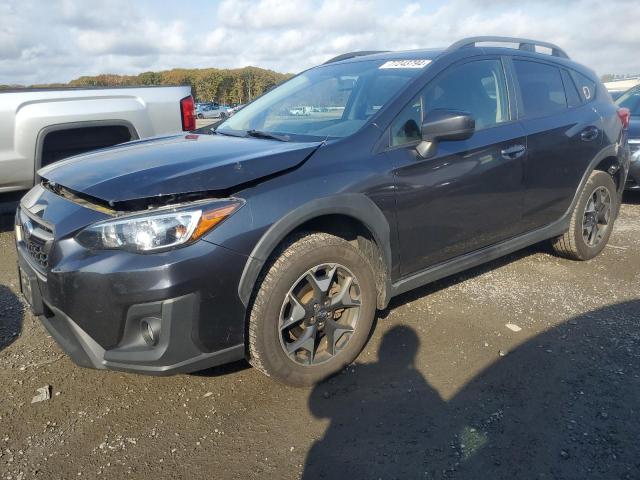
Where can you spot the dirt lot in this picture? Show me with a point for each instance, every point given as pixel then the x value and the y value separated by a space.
pixel 206 122
pixel 444 389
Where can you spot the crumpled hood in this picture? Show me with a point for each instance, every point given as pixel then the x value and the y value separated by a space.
pixel 175 164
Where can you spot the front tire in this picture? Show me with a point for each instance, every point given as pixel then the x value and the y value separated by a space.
pixel 592 219
pixel 312 311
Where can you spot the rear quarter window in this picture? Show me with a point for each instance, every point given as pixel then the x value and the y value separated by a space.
pixel 586 86
pixel 541 87
pixel 573 97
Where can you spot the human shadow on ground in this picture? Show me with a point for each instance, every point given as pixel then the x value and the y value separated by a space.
pixel 11 317
pixel 565 404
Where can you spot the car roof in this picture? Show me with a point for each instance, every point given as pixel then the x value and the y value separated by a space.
pixel 420 54
pixel 433 53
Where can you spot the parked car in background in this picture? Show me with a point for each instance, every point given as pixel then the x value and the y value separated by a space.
pixel 213 110
pixel 298 111
pixel 631 101
pixel 618 87
pixel 42 126
pixel 234 110
pixel 616 94
pixel 277 237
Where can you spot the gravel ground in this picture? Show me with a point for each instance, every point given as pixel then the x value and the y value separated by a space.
pixel 206 122
pixel 527 367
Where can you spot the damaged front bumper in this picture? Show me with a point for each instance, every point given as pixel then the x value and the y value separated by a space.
pixel 175 353
pixel 164 313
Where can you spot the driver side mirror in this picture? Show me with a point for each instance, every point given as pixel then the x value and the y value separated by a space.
pixel 440 125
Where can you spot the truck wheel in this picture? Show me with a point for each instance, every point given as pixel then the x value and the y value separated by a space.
pixel 313 310
pixel 592 219
pixel 200 116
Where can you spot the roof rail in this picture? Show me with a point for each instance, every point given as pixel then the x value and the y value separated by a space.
pixel 523 44
pixel 346 56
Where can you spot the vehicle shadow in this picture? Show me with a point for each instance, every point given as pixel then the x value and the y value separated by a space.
pixel 225 369
pixel 11 316
pixel 452 280
pixel 562 405
pixel 632 198
pixel 8 205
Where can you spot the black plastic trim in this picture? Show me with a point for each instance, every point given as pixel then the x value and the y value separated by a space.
pixel 176 352
pixel 354 205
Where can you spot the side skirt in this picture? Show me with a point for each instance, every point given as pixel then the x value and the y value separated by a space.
pixel 478 257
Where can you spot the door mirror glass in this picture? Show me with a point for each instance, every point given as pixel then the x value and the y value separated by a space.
pixel 441 125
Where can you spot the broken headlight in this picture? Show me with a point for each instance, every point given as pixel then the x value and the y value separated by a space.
pixel 162 229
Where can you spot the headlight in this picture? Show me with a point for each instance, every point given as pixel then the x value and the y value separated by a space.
pixel 163 229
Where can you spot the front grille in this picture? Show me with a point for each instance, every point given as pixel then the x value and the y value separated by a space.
pixel 37 250
pixel 37 237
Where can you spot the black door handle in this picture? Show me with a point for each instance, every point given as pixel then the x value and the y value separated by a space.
pixel 589 134
pixel 511 153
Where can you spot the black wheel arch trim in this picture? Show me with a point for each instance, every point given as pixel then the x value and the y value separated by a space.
pixel 354 205
pixel 610 151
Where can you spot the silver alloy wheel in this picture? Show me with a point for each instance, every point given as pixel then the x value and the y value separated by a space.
pixel 319 314
pixel 597 215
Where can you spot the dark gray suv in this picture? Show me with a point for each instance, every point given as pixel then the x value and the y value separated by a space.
pixel 277 237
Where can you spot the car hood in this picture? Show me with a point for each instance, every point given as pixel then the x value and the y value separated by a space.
pixel 177 164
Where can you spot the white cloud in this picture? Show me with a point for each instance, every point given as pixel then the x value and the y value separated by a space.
pixel 61 40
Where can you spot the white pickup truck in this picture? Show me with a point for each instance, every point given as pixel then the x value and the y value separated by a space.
pixel 41 126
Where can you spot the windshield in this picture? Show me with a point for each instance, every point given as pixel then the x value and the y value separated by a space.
pixel 327 101
pixel 630 100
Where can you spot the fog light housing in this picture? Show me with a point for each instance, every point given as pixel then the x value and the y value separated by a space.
pixel 150 330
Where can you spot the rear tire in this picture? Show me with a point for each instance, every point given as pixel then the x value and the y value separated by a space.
pixel 592 219
pixel 291 325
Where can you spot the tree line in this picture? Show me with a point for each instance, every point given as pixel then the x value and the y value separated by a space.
pixel 227 86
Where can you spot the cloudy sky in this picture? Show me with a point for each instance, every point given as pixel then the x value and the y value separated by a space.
pixel 58 40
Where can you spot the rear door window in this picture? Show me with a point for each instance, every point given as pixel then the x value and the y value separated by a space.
pixel 541 88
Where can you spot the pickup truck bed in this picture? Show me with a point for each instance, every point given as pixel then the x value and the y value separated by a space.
pixel 41 126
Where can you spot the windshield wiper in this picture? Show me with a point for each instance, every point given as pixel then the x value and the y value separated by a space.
pixel 273 136
pixel 220 132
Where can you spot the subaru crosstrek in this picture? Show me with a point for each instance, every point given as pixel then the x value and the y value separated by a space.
pixel 278 236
